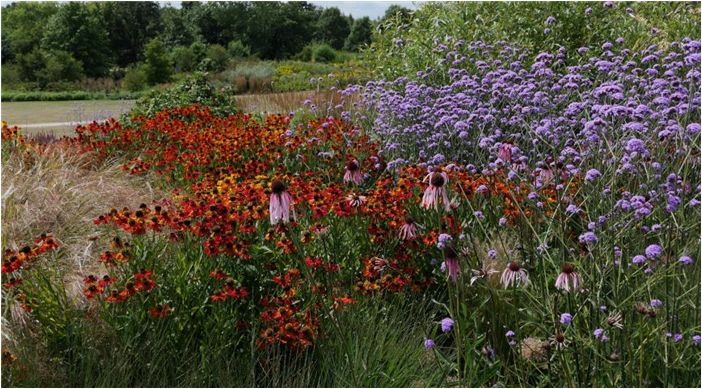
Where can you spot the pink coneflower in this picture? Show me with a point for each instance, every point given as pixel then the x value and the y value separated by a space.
pixel 353 173
pixel 451 261
pixel 514 275
pixel 280 203
pixel 436 192
pixel 505 153
pixel 356 200
pixel 568 280
pixel 408 231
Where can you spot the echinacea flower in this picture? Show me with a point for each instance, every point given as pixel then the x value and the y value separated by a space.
pixel 436 191
pixel 353 173
pixel 452 263
pixel 514 275
pixel 408 231
pixel 558 341
pixel 505 152
pixel 568 280
pixel 615 320
pixel 280 203
pixel 356 200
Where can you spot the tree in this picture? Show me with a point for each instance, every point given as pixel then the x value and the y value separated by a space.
pixel 157 67
pixel 397 11
pixel 23 25
pixel 60 66
pixel 129 26
pixel 333 28
pixel 361 34
pixel 77 29
pixel 279 30
pixel 175 29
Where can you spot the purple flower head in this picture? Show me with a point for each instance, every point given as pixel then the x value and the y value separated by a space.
pixel 550 20
pixel 677 338
pixel 655 303
pixel 654 251
pixel 598 333
pixel 572 209
pixel 502 221
pixel 510 334
pixel 638 260
pixel 566 318
pixel 446 324
pixel 492 253
pixel 443 239
pixel 428 344
pixel 696 340
pixel 592 175
pixel 587 237
pixel 479 215
pixel 685 260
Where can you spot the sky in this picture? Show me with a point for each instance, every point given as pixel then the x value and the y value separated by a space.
pixel 358 9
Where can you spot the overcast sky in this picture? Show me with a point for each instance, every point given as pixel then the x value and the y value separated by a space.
pixel 372 9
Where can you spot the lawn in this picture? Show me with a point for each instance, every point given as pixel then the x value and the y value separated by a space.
pixel 30 114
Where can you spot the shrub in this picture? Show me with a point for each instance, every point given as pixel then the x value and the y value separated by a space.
pixel 402 48
pixel 157 66
pixel 324 53
pixel 218 56
pixel 135 79
pixel 238 50
pixel 184 59
pixel 194 89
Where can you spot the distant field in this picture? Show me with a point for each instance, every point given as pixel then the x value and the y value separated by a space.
pixel 60 117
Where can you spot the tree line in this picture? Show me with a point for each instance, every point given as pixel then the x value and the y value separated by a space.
pixel 48 42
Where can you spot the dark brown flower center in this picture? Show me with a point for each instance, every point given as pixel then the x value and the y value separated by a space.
pixel 560 338
pixel 352 166
pixel 409 219
pixel 437 180
pixel 567 268
pixel 278 187
pixel 514 266
pixel 450 252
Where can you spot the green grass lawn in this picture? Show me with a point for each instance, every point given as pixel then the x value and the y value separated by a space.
pixel 37 112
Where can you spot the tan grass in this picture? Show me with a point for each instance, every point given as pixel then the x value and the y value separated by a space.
pixel 61 191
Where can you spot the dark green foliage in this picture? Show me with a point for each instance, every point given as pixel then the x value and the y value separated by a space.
pixel 218 56
pixel 194 89
pixel 23 25
pixel 324 53
pixel 238 49
pixel 135 79
pixel 78 29
pixel 360 35
pixel 129 26
pixel 333 28
pixel 157 66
